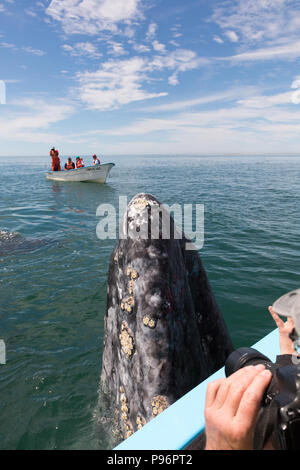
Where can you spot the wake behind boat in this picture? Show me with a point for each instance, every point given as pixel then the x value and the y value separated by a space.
pixel 88 174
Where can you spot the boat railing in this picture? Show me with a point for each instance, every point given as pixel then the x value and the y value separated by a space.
pixel 180 424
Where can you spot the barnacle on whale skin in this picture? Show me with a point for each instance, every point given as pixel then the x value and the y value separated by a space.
pixel 131 286
pixel 127 304
pixel 140 421
pixel 134 274
pixel 150 322
pixel 140 204
pixel 159 404
pixel 128 434
pixel 126 339
pixel 124 408
pixel 128 271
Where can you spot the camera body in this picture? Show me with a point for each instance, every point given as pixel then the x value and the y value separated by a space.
pixel 279 415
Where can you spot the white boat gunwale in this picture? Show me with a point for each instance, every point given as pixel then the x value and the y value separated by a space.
pixel 93 174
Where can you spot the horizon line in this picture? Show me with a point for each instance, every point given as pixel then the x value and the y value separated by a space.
pixel 227 154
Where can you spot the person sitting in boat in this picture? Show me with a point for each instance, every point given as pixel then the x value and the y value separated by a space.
pixel 70 165
pixel 79 162
pixel 96 160
pixel 55 160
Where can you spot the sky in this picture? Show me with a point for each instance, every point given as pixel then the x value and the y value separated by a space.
pixel 149 76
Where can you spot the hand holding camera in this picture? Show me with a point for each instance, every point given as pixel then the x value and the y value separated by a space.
pixel 258 405
pixel 232 406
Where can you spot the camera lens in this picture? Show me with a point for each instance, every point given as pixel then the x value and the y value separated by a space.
pixel 244 357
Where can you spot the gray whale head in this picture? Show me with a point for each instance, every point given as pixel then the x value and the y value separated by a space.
pixel 164 333
pixel 11 242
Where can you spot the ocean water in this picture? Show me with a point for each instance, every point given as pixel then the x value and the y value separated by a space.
pixel 53 274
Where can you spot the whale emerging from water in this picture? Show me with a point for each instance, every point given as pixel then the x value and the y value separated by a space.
pixel 164 333
pixel 11 242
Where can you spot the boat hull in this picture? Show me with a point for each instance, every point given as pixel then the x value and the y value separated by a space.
pixel 88 174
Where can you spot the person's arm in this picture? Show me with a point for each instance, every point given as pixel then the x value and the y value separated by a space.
pixel 232 406
pixel 285 329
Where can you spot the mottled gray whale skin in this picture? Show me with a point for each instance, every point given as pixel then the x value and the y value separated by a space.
pixel 11 242
pixel 164 333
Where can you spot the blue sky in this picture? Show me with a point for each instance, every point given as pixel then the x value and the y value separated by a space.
pixel 150 76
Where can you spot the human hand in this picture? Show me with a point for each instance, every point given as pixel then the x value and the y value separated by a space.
pixel 232 406
pixel 285 328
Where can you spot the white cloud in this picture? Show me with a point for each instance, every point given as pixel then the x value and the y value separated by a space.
pixel 141 48
pixel 129 32
pixel 116 48
pixel 262 123
pixel 173 79
pixel 150 35
pixel 30 12
pixel 290 50
pixel 8 45
pixel 93 16
pixel 232 36
pixel 80 49
pixel 33 51
pixel 258 21
pixel 256 123
pixel 272 26
pixel 120 82
pixel 174 43
pixel 31 119
pixel 158 47
pixel 228 95
pixel 218 39
pixel 265 101
pixel 179 60
pixel 28 49
pixel 175 31
pixel 116 83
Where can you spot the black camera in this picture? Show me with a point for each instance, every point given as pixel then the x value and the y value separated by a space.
pixel 279 416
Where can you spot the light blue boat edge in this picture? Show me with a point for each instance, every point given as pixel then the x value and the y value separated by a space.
pixel 181 423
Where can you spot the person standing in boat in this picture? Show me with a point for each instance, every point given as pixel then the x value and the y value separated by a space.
pixel 55 160
pixel 70 165
pixel 96 160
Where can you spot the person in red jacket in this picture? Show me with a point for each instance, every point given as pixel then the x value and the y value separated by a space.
pixel 79 162
pixel 55 160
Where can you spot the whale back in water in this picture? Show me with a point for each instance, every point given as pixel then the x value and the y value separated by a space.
pixel 164 333
pixel 14 241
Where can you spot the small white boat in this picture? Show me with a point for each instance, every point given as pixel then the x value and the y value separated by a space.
pixel 87 174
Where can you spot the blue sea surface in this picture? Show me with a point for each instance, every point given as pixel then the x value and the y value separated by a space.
pixel 53 275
